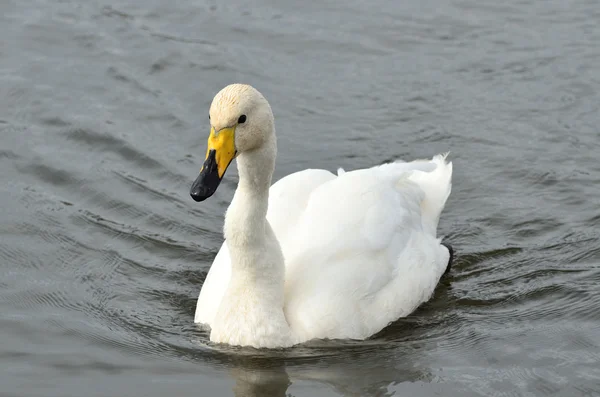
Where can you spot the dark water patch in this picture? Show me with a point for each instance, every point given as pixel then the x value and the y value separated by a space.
pixel 84 366
pixel 105 142
pixel 471 260
pixel 48 174
pixel 536 227
pixel 167 118
pixel 54 122
pixel 94 196
pixel 16 256
pixel 112 12
pixel 94 138
pixel 151 242
pixel 8 154
pixel 176 226
pixel 574 248
pixel 593 221
pixel 185 180
pixel 46 230
pixel 160 65
pixel 44 299
pixel 132 269
pixel 141 185
pixel 184 40
pixel 108 333
pixel 122 77
pixel 590 255
pixel 183 307
pixel 88 41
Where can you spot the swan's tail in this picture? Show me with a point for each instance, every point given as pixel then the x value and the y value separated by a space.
pixel 437 185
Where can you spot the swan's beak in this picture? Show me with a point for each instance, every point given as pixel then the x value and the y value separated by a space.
pixel 220 153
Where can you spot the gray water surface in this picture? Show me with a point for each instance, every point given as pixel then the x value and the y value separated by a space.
pixel 103 127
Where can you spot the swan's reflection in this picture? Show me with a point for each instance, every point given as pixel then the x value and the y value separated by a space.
pixel 349 371
pixel 253 378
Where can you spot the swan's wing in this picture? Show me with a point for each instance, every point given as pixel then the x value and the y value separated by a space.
pixel 288 199
pixel 363 252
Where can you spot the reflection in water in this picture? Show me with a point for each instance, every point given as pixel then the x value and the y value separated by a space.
pixel 359 374
pixel 351 368
pixel 256 377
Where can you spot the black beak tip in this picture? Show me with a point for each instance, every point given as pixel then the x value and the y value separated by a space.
pixel 196 196
pixel 208 181
pixel 200 194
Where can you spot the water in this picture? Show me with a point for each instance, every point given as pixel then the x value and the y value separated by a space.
pixel 104 119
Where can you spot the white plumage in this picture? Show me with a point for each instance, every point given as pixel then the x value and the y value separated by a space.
pixel 359 250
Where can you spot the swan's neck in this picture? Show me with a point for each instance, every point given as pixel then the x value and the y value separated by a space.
pixel 246 219
pixel 251 312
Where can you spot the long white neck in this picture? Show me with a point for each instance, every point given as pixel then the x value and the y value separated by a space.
pixel 245 220
pixel 251 312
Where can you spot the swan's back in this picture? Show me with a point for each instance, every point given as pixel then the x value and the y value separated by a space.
pixel 364 251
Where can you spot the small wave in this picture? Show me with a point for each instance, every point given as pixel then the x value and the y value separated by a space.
pixel 105 142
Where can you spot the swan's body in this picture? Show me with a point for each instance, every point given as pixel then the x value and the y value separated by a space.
pixel 318 255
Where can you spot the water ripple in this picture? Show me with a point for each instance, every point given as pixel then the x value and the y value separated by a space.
pixel 103 254
pixel 106 142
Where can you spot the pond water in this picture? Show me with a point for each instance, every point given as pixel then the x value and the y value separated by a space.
pixel 103 123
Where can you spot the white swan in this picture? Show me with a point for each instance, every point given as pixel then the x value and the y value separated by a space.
pixel 315 255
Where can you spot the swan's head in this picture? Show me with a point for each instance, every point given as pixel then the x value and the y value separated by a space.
pixel 241 120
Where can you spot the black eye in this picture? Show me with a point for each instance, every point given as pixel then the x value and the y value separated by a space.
pixel 209 116
pixel 242 119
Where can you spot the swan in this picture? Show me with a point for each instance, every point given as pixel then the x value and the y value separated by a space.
pixel 316 255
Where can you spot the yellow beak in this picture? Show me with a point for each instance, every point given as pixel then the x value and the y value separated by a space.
pixel 223 143
pixel 219 154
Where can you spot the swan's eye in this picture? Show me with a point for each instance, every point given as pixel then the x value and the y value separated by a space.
pixel 242 119
pixel 209 116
